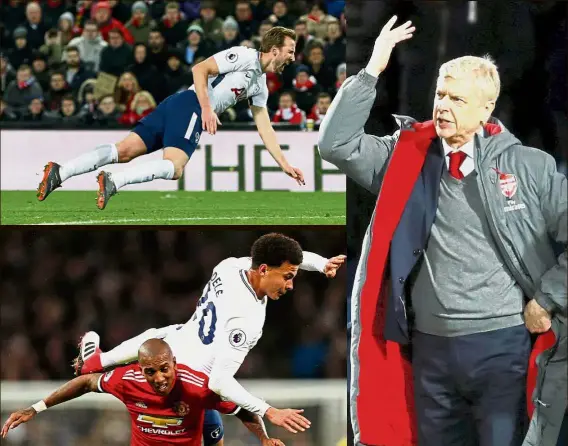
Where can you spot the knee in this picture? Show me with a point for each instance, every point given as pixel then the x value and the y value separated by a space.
pixel 178 170
pixel 126 152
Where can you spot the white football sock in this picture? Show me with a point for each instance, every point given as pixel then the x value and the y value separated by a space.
pixel 128 350
pixel 142 173
pixel 87 162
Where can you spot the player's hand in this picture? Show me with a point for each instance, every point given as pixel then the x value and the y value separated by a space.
pixel 272 442
pixel 333 265
pixel 295 173
pixel 387 40
pixel 537 319
pixel 289 419
pixel 17 418
pixel 210 121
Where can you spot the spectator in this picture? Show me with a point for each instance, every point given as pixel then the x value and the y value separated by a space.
pixel 36 112
pixel 264 27
pixel 158 54
pixel 230 36
pixel 334 50
pixel 52 11
pixel 259 10
pixel 248 44
pixel 247 24
pixel 101 13
pixel 317 19
pixel 172 26
pixel 39 70
pixel 274 84
pixel 302 38
pixel 82 15
pixel 107 112
pixel 75 73
pixel 196 48
pixel 68 113
pixel 13 14
pixel 34 25
pixel 288 111
pixel 190 8
pixel 90 45
pixel 117 55
pixel 280 16
pixel 148 76
pixel 140 23
pixel 318 67
pixel 21 53
pixel 119 11
pixel 86 97
pixel 6 114
pixel 65 28
pixel 306 88
pixel 57 89
pixel 320 109
pixel 340 75
pixel 211 24
pixel 52 48
pixel 126 89
pixel 177 75
pixel 142 105
pixel 22 90
pixel 7 73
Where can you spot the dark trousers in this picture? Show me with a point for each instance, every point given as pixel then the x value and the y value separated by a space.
pixel 471 390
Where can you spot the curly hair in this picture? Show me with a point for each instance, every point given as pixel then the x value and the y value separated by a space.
pixel 274 249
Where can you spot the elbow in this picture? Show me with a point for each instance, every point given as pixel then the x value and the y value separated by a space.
pixel 325 144
pixel 214 384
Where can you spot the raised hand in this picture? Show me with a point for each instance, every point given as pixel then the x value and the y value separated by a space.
pixel 289 419
pixel 387 40
pixel 17 418
pixel 333 265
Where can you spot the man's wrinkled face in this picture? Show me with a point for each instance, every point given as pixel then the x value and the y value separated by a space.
pixel 459 109
pixel 277 281
pixel 102 15
pixel 323 105
pixel 160 372
pixel 33 14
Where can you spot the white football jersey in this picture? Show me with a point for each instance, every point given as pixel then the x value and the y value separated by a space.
pixel 240 77
pixel 229 315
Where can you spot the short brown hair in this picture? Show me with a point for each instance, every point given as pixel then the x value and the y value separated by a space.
pixel 276 37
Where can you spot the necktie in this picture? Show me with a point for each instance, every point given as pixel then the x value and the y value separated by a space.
pixel 456 160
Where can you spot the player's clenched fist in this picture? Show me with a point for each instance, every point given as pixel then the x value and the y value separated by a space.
pixel 333 265
pixel 17 418
pixel 289 419
pixel 385 43
pixel 210 120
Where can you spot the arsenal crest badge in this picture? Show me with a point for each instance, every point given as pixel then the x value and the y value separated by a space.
pixel 181 408
pixel 508 184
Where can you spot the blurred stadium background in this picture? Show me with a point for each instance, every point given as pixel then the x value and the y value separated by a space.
pixel 57 284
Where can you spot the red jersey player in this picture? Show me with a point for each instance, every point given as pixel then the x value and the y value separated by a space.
pixel 166 400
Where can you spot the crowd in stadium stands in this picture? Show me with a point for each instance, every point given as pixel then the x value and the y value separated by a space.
pixel 58 284
pixel 99 63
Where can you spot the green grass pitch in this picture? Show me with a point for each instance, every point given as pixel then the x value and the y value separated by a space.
pixel 175 208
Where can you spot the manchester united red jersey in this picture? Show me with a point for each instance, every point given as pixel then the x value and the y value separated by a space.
pixel 158 420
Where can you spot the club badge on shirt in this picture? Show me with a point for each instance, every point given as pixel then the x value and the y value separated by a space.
pixel 181 408
pixel 237 337
pixel 232 57
pixel 509 185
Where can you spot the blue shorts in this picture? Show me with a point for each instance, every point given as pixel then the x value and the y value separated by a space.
pixel 212 428
pixel 176 122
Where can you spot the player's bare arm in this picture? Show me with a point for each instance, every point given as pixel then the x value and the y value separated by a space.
pixel 68 391
pixel 255 424
pixel 201 73
pixel 268 135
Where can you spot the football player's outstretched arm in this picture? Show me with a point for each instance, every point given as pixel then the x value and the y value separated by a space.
pixel 255 424
pixel 268 135
pixel 201 73
pixel 68 391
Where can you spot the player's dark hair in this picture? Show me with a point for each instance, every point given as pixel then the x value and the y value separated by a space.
pixel 276 37
pixel 274 249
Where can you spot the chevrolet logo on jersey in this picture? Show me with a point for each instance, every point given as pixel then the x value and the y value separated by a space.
pixel 163 422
